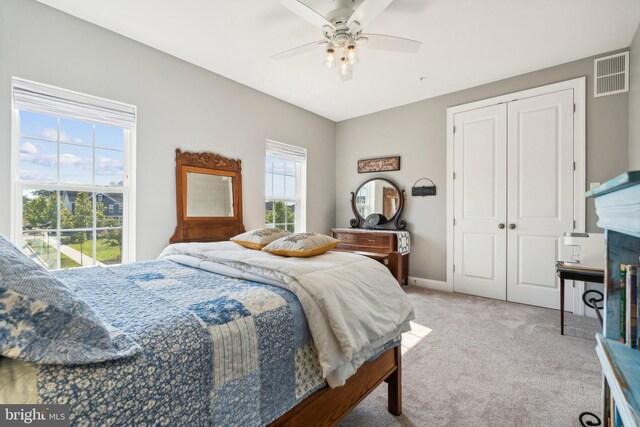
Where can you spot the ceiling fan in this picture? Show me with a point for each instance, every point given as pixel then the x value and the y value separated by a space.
pixel 342 30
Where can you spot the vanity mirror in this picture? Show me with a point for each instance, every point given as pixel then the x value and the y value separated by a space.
pixel 208 197
pixel 381 200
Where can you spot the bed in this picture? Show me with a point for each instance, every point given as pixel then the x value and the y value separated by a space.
pixel 218 344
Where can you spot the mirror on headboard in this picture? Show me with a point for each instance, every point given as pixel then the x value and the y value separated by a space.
pixel 209 194
pixel 208 197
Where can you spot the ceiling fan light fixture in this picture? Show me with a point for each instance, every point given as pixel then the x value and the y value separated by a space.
pixel 344 68
pixel 352 53
pixel 342 28
pixel 329 60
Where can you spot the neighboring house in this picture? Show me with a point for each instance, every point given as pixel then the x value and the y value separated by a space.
pixel 69 200
pixel 112 202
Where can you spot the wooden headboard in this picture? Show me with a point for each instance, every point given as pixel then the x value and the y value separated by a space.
pixel 207 228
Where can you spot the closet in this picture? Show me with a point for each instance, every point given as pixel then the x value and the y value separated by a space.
pixel 513 196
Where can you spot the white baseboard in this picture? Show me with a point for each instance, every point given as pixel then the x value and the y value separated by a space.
pixel 430 284
pixel 442 286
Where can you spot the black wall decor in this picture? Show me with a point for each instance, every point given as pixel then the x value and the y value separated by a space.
pixel 424 190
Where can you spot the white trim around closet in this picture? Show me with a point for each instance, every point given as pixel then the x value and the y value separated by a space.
pixel 579 154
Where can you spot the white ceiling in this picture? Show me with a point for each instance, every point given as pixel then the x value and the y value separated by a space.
pixel 466 43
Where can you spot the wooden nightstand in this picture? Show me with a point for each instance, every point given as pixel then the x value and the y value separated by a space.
pixel 380 245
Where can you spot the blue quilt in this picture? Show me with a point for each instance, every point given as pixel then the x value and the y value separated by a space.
pixel 215 350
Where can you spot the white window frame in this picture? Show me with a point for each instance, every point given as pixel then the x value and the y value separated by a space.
pixel 128 189
pixel 301 189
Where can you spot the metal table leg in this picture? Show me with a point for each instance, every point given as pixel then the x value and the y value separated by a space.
pixel 561 305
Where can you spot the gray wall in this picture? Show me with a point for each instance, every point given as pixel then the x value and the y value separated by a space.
pixel 417 133
pixel 179 105
pixel 634 103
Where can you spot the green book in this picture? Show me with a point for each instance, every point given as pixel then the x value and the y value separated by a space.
pixel 632 295
pixel 623 302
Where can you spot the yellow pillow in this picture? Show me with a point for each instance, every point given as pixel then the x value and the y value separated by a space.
pixel 302 245
pixel 258 239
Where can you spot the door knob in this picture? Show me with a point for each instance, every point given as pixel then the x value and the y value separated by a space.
pixel 501 226
pixel 512 226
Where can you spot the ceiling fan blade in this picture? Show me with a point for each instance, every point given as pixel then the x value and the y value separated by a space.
pixel 368 11
pixel 298 50
pixel 306 13
pixel 391 43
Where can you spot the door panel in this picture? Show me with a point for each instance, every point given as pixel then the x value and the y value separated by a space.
pixel 479 147
pixel 539 193
pixel 538 149
pixel 478 254
pixel 480 160
pixel 542 250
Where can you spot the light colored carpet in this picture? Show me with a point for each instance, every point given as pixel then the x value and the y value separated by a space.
pixel 481 362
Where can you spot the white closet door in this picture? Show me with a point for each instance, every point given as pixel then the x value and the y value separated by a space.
pixel 480 162
pixel 540 194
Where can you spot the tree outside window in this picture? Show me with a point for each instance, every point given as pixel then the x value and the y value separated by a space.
pixel 284 190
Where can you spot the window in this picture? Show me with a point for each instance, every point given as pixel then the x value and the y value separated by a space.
pixel 71 157
pixel 285 187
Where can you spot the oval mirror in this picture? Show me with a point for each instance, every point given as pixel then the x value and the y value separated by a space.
pixel 377 196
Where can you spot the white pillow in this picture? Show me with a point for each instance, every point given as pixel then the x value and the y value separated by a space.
pixel 258 239
pixel 302 245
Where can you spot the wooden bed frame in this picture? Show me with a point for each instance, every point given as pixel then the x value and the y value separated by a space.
pixel 327 406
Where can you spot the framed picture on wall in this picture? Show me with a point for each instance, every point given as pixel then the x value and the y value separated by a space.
pixel 380 164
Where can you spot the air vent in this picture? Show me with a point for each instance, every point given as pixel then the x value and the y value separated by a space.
pixel 611 74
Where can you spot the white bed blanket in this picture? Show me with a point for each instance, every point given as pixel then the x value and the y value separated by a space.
pixel 352 303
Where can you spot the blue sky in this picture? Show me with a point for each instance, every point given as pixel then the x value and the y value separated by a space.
pixel 280 179
pixel 39 150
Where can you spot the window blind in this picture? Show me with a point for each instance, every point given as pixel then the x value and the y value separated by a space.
pixel 43 99
pixel 286 151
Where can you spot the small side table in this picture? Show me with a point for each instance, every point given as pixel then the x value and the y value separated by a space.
pixel 575 272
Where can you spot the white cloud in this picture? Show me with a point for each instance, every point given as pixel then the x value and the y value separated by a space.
pixel 36 176
pixel 70 160
pixel 64 137
pixel 50 133
pixel 44 159
pixel 28 151
pixel 28 148
pixel 108 166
